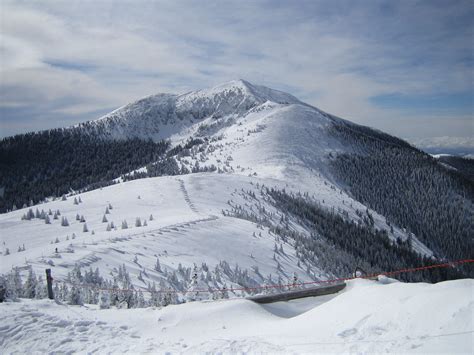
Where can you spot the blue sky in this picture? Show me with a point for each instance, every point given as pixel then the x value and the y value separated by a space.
pixel 405 67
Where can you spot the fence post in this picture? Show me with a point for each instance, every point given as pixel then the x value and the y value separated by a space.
pixel 49 281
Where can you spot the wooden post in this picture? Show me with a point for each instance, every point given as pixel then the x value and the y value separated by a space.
pixel 49 281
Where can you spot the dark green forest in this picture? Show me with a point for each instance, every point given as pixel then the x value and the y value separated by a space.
pixel 410 188
pixel 34 166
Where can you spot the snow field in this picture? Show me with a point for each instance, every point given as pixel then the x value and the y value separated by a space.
pixel 366 317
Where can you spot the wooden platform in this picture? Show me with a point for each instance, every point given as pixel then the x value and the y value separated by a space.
pixel 291 295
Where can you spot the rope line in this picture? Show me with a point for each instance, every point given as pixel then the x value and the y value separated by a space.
pixel 318 282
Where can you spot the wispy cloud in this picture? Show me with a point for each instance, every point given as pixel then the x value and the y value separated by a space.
pixel 66 62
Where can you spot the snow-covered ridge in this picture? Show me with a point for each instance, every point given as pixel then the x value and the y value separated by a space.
pixel 162 115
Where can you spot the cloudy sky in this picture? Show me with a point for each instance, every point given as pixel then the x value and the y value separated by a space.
pixel 405 67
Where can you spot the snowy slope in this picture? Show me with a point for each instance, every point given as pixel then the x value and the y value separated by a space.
pixel 187 227
pixel 366 317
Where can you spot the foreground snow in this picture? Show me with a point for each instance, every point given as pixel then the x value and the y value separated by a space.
pixel 367 316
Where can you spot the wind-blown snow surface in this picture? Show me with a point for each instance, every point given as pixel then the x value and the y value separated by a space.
pixel 366 317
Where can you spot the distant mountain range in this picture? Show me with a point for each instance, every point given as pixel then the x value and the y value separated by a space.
pixel 461 146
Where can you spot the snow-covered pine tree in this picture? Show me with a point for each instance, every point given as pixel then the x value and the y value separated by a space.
pixel 107 210
pixel 141 303
pixel 158 265
pixel 40 290
pixel 84 228
pixel 64 222
pixel 138 222
pixel 30 215
pixel 14 285
pixel 78 218
pixel 104 299
pixel 155 299
pixel 124 224
pixel 74 297
pixel 47 220
pixel 104 219
pixel 29 289
pixel 75 201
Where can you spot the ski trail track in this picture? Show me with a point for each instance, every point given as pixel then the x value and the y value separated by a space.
pixel 191 205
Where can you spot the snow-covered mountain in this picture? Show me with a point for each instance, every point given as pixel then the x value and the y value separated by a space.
pixel 164 115
pixel 244 186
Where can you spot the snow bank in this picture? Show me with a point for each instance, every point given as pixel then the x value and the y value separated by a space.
pixel 366 317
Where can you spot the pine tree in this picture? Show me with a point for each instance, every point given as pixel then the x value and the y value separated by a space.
pixel 138 222
pixel 157 265
pixel 140 300
pixel 40 290
pixel 30 285
pixel 107 210
pixel 74 297
pixel 124 224
pixel 64 222
pixel 84 229
pixel 75 201
pixel 104 219
pixel 104 299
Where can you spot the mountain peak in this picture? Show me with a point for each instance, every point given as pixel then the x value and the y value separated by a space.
pixel 258 93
